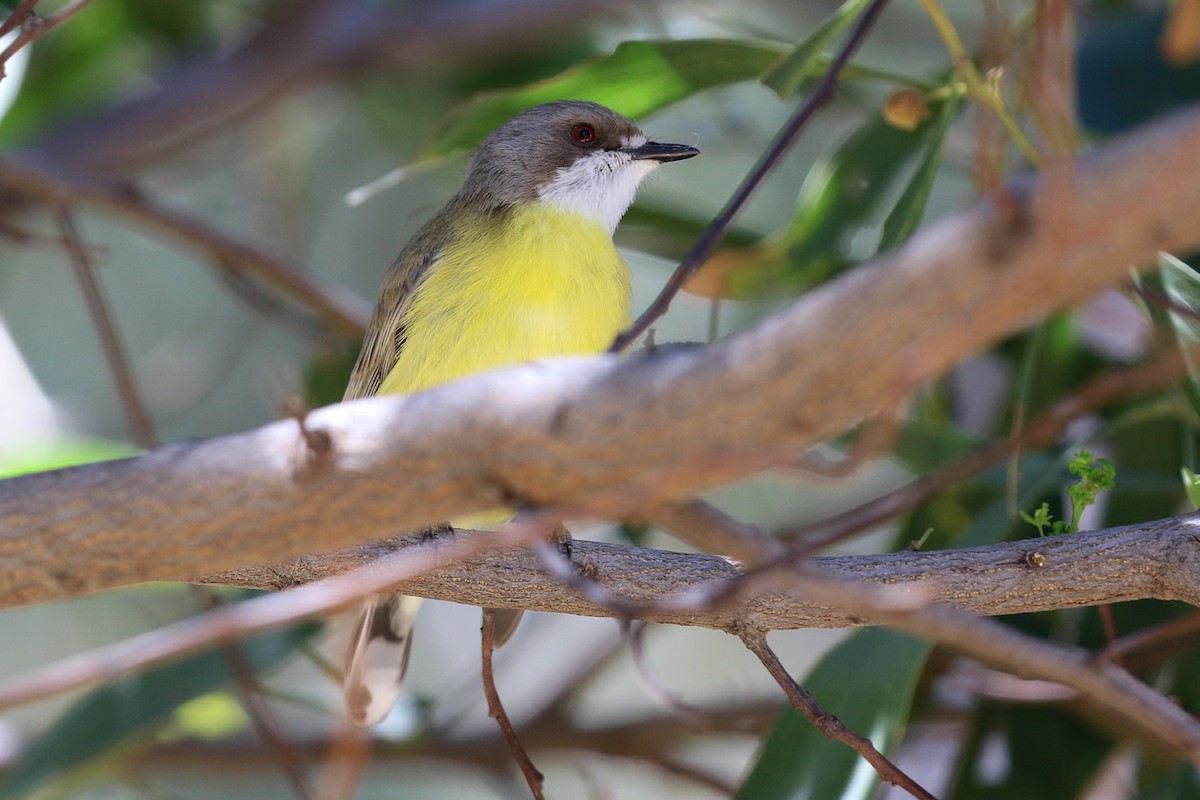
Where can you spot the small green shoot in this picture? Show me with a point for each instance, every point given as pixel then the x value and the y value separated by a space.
pixel 1191 485
pixel 917 544
pixel 1043 519
pixel 1095 476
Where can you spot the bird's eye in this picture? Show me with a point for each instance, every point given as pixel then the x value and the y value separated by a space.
pixel 584 134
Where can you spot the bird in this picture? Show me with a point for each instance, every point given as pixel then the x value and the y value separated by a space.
pixel 518 265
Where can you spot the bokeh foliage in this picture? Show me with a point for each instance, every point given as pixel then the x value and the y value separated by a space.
pixel 868 190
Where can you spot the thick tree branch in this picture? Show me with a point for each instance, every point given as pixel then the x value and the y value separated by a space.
pixel 1103 684
pixel 1157 560
pixel 603 436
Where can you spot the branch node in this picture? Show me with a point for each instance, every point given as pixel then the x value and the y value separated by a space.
pixel 318 444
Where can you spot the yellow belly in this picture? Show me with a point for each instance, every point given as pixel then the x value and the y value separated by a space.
pixel 544 282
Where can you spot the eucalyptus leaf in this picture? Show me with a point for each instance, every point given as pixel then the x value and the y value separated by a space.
pixel 110 715
pixel 786 79
pixel 62 452
pixel 842 193
pixel 906 215
pixel 1182 285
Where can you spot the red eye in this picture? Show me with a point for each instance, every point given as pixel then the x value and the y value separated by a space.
pixel 584 134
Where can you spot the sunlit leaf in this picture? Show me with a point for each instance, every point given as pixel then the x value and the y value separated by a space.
pixel 62 452
pixel 210 716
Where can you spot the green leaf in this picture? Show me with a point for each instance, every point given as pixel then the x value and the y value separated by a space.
pixel 868 682
pixel 1019 737
pixel 63 452
pixel 210 717
pixel 636 79
pixel 108 716
pixel 788 77
pixel 841 194
pixel 1182 285
pixel 906 215
pixel 1191 486
pixel 76 68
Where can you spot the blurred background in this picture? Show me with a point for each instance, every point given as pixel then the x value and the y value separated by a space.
pixel 252 120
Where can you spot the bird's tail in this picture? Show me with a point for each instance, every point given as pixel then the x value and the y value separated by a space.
pixel 377 658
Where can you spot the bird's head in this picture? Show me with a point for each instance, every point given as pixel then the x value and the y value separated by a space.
pixel 575 155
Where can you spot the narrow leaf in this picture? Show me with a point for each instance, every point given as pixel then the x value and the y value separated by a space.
pixel 906 215
pixel 1182 285
pixel 786 79
pixel 110 715
pixel 842 194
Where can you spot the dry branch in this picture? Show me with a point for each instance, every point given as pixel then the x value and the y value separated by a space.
pixel 603 436
pixel 88 159
pixel 1157 560
pixel 303 44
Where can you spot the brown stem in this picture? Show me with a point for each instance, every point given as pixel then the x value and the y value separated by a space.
pixel 1182 628
pixel 140 424
pixel 18 15
pixel 250 695
pixel 827 723
pixel 1102 391
pixel 822 95
pixel 533 777
pixel 34 27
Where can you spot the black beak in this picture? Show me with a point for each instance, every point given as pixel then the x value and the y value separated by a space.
pixel 653 151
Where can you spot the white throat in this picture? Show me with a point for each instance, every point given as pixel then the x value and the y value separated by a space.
pixel 600 185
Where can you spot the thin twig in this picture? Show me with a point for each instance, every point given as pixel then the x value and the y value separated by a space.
pixel 251 698
pixel 1102 391
pixel 34 27
pixel 342 313
pixel 976 85
pixel 693 717
pixel 568 573
pixel 140 425
pixel 1110 633
pixel 18 15
pixel 827 723
pixel 711 530
pixel 533 777
pixel 1182 628
pixel 822 95
pixel 257 615
pixel 1153 297
pixel 343 761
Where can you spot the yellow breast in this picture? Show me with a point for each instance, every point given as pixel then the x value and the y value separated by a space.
pixel 541 282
